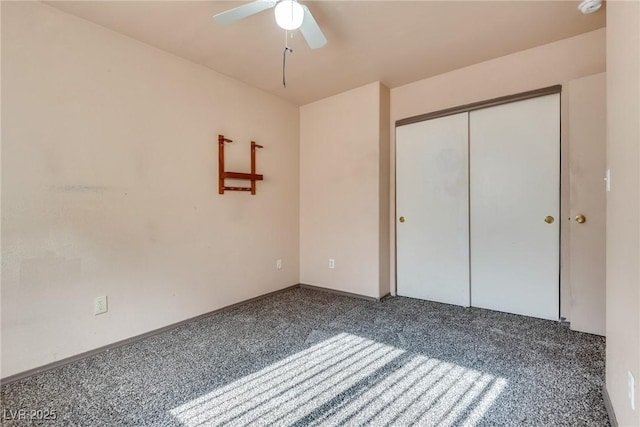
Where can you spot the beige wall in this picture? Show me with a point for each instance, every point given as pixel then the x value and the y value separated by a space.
pixel 109 187
pixel 623 211
pixel 554 63
pixel 342 191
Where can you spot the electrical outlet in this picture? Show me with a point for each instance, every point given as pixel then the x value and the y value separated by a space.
pixel 332 263
pixel 279 264
pixel 631 390
pixel 100 305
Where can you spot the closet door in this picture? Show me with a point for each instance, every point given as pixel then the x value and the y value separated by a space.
pixel 514 207
pixel 587 163
pixel 432 203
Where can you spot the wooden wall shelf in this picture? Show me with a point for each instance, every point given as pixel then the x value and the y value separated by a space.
pixel 222 174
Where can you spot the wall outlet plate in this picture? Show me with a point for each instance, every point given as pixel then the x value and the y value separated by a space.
pixel 279 264
pixel 100 305
pixel 631 390
pixel 332 263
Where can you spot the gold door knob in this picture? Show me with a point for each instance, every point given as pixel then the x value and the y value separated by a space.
pixel 581 218
pixel 401 219
pixel 549 219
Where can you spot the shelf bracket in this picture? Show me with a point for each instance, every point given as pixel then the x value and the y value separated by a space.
pixel 222 174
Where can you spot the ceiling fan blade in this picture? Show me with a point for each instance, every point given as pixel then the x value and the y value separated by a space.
pixel 311 31
pixel 237 13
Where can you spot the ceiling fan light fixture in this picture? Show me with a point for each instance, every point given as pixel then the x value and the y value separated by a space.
pixel 289 15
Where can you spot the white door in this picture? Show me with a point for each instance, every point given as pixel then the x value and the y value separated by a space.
pixel 514 187
pixel 587 163
pixel 432 207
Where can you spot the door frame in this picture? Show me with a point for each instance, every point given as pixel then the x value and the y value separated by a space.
pixel 563 288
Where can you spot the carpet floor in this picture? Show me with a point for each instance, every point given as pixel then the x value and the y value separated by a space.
pixel 305 357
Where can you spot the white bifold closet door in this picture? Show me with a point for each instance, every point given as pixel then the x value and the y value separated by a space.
pixel 514 207
pixel 432 202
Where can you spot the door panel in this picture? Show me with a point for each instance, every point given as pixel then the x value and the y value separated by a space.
pixel 432 197
pixel 587 164
pixel 514 185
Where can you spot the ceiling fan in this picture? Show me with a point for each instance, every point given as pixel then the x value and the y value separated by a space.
pixel 290 15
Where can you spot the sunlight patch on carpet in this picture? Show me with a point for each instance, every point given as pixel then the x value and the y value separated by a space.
pixel 349 380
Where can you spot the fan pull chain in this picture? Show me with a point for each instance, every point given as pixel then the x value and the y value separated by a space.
pixel 284 58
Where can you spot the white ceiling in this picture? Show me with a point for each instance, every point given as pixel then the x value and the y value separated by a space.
pixel 395 42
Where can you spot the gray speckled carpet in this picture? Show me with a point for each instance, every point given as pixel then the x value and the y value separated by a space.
pixel 305 357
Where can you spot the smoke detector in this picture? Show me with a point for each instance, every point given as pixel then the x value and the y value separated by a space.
pixel 590 6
